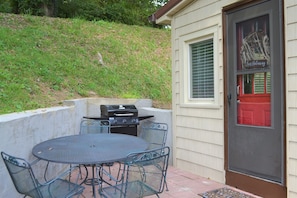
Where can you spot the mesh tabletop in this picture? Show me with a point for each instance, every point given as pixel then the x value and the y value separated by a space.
pixel 89 148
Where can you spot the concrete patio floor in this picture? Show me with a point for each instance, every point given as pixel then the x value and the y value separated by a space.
pixel 181 184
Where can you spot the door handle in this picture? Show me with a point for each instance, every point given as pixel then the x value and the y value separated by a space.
pixel 229 99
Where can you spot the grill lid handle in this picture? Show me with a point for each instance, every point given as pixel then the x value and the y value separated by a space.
pixel 123 114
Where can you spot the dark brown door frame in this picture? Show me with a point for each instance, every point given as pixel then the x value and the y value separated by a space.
pixel 240 181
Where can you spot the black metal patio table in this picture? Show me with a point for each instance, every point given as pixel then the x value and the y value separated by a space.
pixel 89 149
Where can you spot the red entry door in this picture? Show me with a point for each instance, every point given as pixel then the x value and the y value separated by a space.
pixel 253 99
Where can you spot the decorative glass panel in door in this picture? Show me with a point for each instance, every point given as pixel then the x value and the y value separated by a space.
pixel 253 72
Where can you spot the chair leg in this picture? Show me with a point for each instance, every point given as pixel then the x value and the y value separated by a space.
pixel 166 185
pixel 118 175
pixel 109 171
pixel 93 180
pixel 79 169
pixel 165 182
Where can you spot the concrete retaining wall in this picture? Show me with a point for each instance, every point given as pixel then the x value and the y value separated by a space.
pixel 19 132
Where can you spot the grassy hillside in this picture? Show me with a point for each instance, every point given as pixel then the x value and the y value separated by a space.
pixel 47 60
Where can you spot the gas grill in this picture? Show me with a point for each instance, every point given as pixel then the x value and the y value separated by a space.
pixel 120 114
pixel 123 118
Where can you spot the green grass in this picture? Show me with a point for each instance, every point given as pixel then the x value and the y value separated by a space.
pixel 47 60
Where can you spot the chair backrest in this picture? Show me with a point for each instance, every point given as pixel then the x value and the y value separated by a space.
pixel 22 175
pixel 154 133
pixel 94 126
pixel 148 168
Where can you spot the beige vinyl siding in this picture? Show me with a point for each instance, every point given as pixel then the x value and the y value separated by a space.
pixel 291 93
pixel 198 128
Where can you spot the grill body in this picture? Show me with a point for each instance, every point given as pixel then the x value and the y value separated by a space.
pixel 123 118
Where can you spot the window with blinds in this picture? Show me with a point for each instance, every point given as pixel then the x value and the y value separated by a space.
pixel 202 69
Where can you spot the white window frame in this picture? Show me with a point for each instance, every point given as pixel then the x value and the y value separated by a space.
pixel 186 41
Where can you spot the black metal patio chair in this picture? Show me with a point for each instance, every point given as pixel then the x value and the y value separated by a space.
pixel 154 133
pixel 143 175
pixel 94 126
pixel 26 183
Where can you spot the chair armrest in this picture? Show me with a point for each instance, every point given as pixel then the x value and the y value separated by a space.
pixel 61 175
pixel 105 172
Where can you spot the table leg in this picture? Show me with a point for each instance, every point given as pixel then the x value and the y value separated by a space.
pixel 92 181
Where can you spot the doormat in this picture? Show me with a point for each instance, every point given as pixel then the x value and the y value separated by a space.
pixel 224 193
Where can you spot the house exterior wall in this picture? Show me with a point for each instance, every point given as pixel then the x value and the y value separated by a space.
pixel 198 129
pixel 290 15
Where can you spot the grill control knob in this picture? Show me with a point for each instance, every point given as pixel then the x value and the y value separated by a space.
pixel 124 120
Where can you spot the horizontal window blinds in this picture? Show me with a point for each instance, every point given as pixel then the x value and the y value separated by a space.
pixel 202 68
